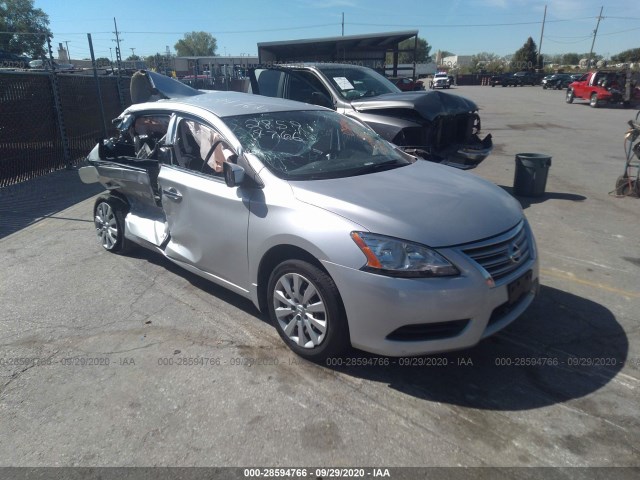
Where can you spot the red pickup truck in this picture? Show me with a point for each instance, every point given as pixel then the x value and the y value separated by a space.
pixel 603 87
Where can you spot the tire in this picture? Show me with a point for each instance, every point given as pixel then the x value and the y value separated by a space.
pixel 570 96
pixel 290 300
pixel 108 218
pixel 544 87
pixel 593 100
pixel 627 187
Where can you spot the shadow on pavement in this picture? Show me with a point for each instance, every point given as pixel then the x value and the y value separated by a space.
pixel 528 201
pixel 563 347
pixel 29 202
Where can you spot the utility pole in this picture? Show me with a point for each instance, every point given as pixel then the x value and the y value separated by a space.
pixel 343 24
pixel 544 19
pixel 595 32
pixel 97 80
pixel 133 51
pixel 68 54
pixel 119 60
pixel 118 55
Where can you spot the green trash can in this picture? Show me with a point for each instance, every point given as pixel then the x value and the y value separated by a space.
pixel 530 178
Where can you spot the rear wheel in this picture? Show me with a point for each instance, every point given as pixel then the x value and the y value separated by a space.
pixel 108 218
pixel 570 96
pixel 593 101
pixel 305 307
pixel 627 186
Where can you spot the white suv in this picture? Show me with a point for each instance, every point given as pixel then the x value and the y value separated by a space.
pixel 440 80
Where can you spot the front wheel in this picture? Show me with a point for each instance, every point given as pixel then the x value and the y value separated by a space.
pixel 108 218
pixel 593 101
pixel 305 307
pixel 570 96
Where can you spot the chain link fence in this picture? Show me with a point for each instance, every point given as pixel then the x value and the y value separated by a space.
pixel 31 142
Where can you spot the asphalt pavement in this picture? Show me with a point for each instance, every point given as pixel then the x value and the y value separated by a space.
pixel 131 361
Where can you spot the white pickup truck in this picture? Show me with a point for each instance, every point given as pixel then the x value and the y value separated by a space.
pixel 440 80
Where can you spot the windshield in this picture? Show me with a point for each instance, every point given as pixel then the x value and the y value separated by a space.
pixel 311 145
pixel 355 83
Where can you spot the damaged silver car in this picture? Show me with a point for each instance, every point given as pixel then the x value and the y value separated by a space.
pixel 433 125
pixel 339 236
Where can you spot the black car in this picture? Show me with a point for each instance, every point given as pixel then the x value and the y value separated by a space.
pixel 557 81
pixel 433 125
pixel 527 78
pixel 506 80
pixel 11 60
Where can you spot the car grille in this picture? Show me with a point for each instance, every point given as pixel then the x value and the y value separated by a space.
pixel 502 255
pixel 452 129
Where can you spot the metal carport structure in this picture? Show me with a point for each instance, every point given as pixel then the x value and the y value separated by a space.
pixel 367 50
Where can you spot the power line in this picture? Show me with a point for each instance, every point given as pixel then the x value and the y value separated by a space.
pixel 464 25
pixel 218 32
pixel 620 31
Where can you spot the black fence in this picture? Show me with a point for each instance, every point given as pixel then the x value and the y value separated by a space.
pixel 31 132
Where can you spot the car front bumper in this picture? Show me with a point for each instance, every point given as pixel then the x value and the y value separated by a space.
pixel 461 310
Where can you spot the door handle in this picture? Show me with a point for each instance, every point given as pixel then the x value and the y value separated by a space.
pixel 172 194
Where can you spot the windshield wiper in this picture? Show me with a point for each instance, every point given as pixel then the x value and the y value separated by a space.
pixel 377 167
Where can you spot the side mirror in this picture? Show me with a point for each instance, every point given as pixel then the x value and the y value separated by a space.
pixel 320 99
pixel 233 174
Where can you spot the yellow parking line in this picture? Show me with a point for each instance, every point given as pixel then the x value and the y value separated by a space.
pixel 569 276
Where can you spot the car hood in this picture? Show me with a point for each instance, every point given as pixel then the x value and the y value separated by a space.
pixel 423 202
pixel 429 104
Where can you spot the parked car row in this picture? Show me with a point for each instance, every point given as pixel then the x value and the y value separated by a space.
pixel 13 61
pixel 517 79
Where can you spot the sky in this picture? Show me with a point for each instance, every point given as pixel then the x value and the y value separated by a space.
pixel 464 27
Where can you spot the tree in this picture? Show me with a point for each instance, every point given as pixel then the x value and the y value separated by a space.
pixel 485 61
pixel 628 56
pixel 132 58
pixel 196 44
pixel 103 62
pixel 446 53
pixel 527 57
pixel 422 52
pixel 28 28
pixel 570 59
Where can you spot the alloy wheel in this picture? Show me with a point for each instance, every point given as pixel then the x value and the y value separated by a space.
pixel 106 225
pixel 300 310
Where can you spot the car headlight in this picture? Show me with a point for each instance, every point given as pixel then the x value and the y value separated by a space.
pixel 399 258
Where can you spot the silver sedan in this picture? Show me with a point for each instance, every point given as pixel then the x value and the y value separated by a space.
pixel 341 237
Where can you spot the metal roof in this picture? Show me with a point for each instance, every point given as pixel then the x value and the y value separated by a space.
pixel 330 45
